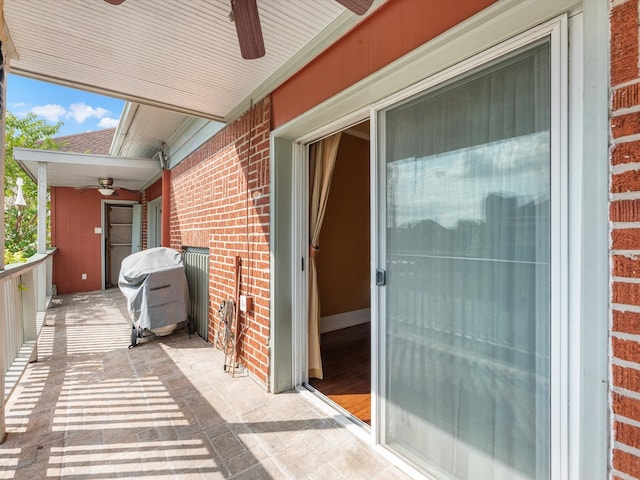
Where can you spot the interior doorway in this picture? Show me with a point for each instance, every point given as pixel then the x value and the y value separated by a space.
pixel 122 236
pixel 344 278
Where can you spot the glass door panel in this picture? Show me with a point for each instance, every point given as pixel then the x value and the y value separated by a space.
pixel 466 329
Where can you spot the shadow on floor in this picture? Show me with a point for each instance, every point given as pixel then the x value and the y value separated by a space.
pixel 91 408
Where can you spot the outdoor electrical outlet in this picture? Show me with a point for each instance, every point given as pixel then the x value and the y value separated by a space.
pixel 246 303
pixel 84 276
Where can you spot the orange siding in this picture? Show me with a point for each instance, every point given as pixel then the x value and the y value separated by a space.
pixel 392 31
pixel 151 193
pixel 74 216
pixel 154 190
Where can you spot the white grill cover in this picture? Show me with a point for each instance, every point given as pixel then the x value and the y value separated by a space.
pixel 155 285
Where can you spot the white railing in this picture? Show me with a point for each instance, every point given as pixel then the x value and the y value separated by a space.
pixel 25 291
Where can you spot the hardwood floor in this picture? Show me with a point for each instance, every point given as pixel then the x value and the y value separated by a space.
pixel 346 363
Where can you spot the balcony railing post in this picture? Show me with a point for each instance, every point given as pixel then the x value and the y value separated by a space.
pixel 41 287
pixel 4 63
pixel 3 367
pixel 29 291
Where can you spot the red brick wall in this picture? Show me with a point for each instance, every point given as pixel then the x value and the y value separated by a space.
pixel 220 201
pixel 625 238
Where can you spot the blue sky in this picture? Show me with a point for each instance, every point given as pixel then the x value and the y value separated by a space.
pixel 79 111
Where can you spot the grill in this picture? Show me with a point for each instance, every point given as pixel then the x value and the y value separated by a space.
pixel 154 283
pixel 196 263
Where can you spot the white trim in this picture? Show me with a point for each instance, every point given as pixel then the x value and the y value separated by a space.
pixel 189 137
pixel 331 323
pixel 154 222
pixel 500 22
pixel 299 280
pixel 378 295
pixel 560 338
pixel 72 158
pixel 445 57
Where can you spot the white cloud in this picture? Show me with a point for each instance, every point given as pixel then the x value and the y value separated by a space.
pixel 108 122
pixel 81 112
pixel 78 112
pixel 51 112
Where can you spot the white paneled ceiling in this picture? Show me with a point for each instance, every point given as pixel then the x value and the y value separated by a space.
pixel 176 54
pixel 81 170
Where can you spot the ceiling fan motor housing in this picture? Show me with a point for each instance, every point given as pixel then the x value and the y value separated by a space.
pixel 105 182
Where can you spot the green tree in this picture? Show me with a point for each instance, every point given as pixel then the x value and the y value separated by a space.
pixel 21 222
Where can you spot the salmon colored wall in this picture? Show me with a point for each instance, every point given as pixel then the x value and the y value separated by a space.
pixel 154 190
pixel 395 29
pixel 151 193
pixel 344 258
pixel 74 216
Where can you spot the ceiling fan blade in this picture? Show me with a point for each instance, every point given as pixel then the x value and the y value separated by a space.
pixel 114 2
pixel 247 20
pixel 359 7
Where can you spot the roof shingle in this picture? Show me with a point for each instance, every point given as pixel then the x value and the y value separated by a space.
pixel 97 142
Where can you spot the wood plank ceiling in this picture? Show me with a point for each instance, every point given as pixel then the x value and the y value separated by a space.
pixel 177 54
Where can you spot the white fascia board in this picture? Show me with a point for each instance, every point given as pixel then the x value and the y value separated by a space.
pixel 152 180
pixel 491 26
pixel 192 136
pixel 72 158
pixel 124 124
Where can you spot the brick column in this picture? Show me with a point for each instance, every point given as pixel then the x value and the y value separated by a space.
pixel 624 215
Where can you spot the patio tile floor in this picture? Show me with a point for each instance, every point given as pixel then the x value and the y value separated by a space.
pixel 90 408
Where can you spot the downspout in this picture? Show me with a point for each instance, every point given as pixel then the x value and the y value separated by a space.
pixel 166 205
pixel 166 192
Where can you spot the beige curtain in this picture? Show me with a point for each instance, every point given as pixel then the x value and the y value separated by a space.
pixel 322 158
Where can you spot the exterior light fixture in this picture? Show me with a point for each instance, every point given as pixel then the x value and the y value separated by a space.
pixel 106 186
pixel 20 201
pixel 107 192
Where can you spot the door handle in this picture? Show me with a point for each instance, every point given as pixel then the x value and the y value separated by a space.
pixel 381 277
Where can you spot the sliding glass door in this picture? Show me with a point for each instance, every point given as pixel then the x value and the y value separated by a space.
pixel 466 244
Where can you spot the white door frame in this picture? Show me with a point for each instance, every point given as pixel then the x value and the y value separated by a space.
pixel 103 228
pixel 556 30
pixel 154 221
pixel 301 236
pixel 588 431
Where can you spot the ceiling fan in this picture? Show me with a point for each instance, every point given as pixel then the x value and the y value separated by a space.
pixel 105 187
pixel 244 13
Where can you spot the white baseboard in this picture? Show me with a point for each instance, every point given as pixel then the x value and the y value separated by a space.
pixel 344 320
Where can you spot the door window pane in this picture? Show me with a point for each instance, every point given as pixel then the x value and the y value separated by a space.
pixel 467 230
